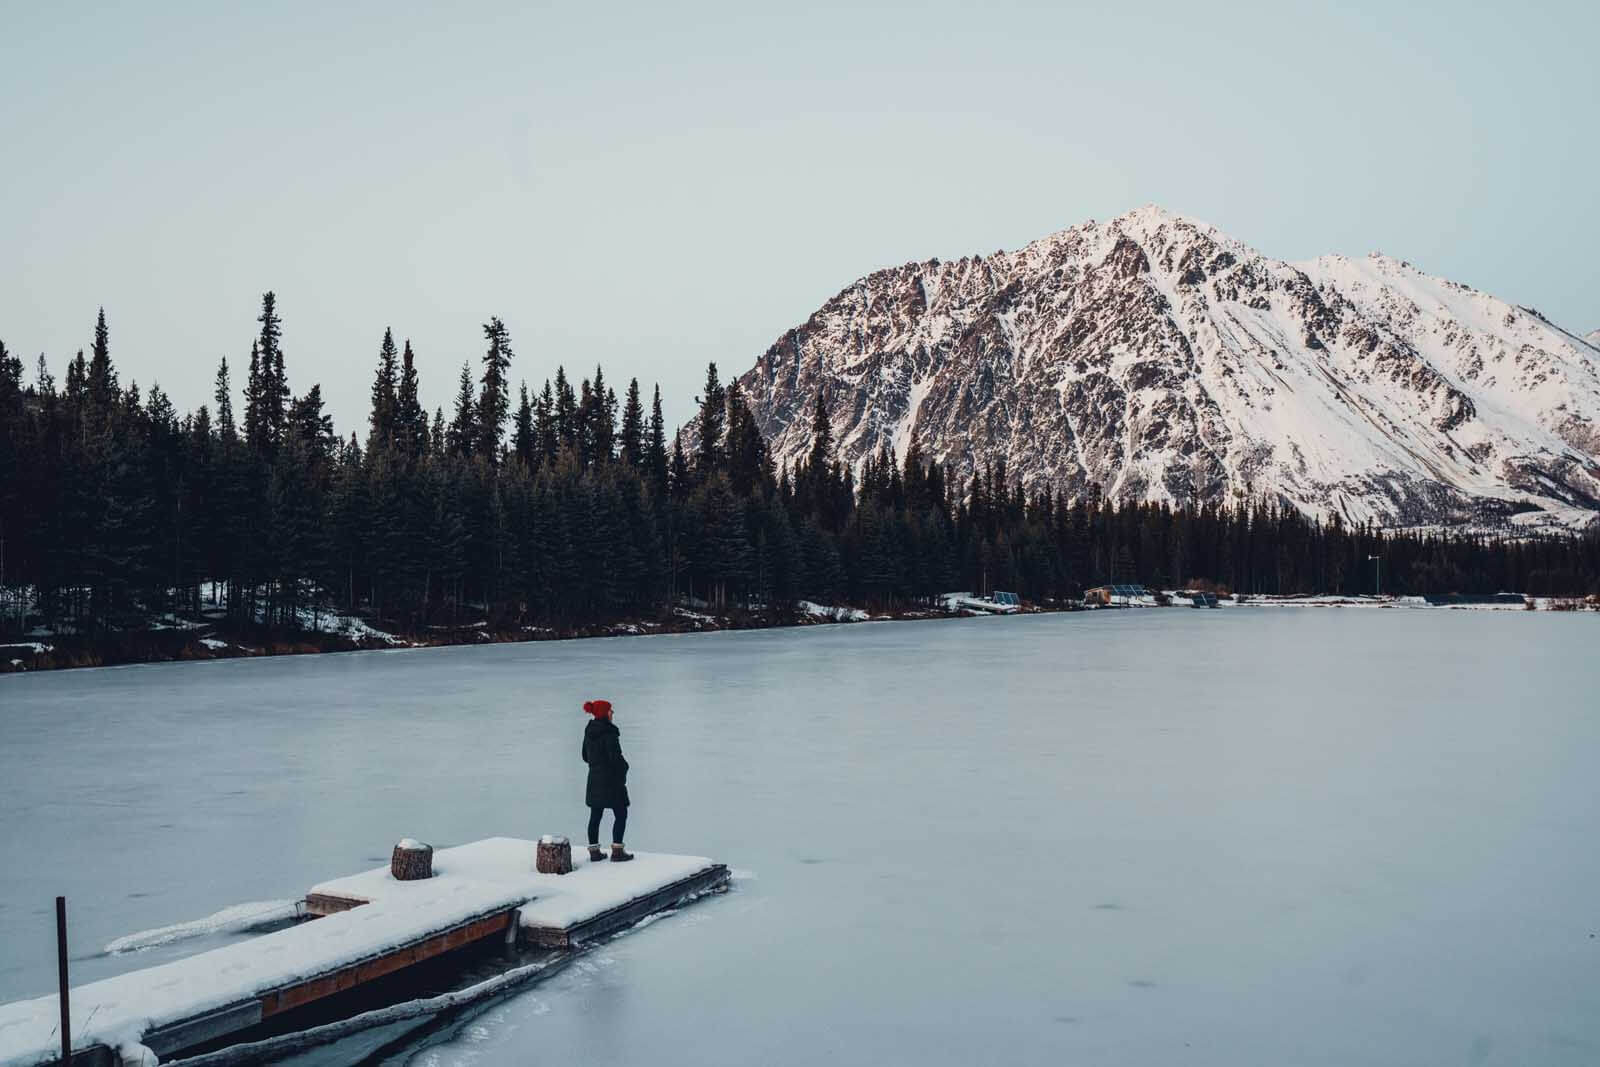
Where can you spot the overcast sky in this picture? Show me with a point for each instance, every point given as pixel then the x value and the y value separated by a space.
pixel 657 185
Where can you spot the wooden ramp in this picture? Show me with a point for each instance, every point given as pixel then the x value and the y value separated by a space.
pixel 369 929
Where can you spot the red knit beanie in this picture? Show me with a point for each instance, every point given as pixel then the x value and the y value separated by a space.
pixel 600 709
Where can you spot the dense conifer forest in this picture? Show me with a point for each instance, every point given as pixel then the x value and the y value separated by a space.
pixel 567 504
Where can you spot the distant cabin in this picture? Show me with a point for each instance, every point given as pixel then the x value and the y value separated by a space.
pixel 1009 599
pixel 1108 596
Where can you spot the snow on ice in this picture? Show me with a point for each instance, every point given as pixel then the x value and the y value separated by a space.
pixel 239 918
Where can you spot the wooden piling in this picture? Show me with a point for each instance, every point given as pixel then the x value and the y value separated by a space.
pixel 554 855
pixel 411 861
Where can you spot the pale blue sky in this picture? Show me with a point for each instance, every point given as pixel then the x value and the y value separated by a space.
pixel 657 185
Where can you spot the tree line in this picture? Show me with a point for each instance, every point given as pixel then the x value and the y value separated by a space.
pixel 566 506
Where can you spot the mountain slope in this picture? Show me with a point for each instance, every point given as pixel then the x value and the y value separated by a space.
pixel 1159 359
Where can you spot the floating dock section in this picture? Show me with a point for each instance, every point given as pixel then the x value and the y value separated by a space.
pixel 367 927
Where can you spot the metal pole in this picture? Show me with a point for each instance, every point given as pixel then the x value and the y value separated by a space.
pixel 61 966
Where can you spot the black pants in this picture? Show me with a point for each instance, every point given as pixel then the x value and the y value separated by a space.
pixel 619 824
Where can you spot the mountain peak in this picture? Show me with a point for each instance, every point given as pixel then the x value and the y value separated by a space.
pixel 1154 357
pixel 1155 214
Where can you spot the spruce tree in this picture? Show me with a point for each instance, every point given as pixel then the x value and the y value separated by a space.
pixel 656 450
pixel 821 457
pixel 494 402
pixel 822 489
pixel 274 383
pixel 254 418
pixel 713 416
pixel 544 426
pixel 523 442
pixel 603 421
pixel 566 411
pixel 632 438
pixel 385 403
pixel 587 416
pixel 410 421
pixel 464 425
pixel 749 465
pixel 226 432
pixel 679 477
pixel 102 379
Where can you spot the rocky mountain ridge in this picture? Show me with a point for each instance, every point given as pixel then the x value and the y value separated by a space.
pixel 1153 357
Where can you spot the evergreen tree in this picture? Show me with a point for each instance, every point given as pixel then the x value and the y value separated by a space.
pixel 224 398
pixel 274 383
pixel 656 450
pixel 566 409
pixel 713 415
pixel 464 435
pixel 548 438
pixel 382 422
pixel 679 477
pixel 410 421
pixel 749 465
pixel 587 416
pixel 633 428
pixel 603 421
pixel 820 485
pixel 255 427
pixel 821 457
pixel 523 443
pixel 102 379
pixel 494 403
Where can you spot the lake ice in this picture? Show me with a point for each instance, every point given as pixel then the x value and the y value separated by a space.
pixel 1311 836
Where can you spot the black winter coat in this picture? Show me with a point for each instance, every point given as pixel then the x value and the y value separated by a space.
pixel 608 771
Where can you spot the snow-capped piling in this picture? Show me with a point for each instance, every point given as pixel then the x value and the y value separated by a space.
pixel 412 861
pixel 554 855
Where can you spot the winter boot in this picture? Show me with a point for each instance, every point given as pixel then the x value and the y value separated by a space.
pixel 618 855
pixel 595 855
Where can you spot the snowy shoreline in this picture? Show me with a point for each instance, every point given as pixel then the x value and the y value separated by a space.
pixel 350 634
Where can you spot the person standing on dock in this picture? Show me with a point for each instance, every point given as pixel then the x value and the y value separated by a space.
pixel 608 780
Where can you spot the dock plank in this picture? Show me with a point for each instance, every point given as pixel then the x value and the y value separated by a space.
pixel 397 959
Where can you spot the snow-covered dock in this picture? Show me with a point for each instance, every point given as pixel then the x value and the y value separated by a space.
pixel 555 910
pixel 370 926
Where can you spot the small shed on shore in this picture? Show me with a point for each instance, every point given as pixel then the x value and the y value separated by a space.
pixel 1108 596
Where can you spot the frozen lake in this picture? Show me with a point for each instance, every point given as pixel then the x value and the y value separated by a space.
pixel 1275 835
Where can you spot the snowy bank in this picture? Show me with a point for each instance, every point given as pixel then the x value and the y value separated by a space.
pixel 832 613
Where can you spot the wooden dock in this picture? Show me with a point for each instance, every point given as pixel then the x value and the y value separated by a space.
pixel 366 932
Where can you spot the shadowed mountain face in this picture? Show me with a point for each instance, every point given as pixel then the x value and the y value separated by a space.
pixel 1162 360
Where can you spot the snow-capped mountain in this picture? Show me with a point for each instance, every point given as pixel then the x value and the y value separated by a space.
pixel 1160 359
